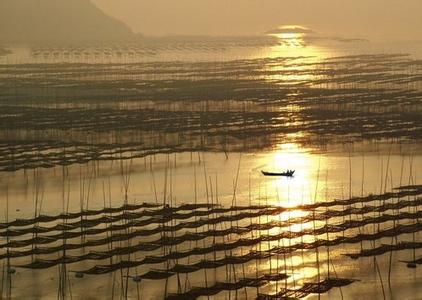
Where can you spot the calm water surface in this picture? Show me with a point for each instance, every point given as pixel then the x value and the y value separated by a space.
pixel 335 169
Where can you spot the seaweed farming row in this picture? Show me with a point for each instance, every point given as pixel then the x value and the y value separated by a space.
pixel 225 246
pixel 156 244
pixel 137 134
pixel 251 79
pixel 168 213
pixel 142 49
pixel 64 114
pixel 369 70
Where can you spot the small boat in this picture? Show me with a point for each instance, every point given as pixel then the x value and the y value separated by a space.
pixel 288 173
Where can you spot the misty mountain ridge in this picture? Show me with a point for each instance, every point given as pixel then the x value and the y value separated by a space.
pixel 58 22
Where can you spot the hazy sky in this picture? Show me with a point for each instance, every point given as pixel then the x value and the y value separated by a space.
pixel 398 19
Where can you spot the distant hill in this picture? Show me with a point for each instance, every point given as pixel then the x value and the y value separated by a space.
pixel 58 21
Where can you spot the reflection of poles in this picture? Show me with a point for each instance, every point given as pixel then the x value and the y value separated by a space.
pixel 213 227
pixel 350 183
pixel 241 248
pixel 225 253
pixel 336 276
pixel 187 282
pixel 268 232
pixel 314 229
pixel 9 269
pixel 386 177
pixel 326 225
pixel 81 201
pixel 231 221
pixel 376 265
pixel 278 245
pixel 63 278
pixel 253 235
pixel 111 240
pixel 36 211
pixel 301 226
pixel 329 259
pixel 173 224
pixel 126 174
pixel 361 194
pixel 284 261
pixel 165 212
pixel 381 190
pixel 375 213
pixel 390 264
pixel 290 242
pixel 411 182
pixel 208 226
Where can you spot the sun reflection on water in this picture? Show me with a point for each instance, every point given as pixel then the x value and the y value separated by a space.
pixel 301 189
pixel 294 41
pixel 287 215
pixel 305 187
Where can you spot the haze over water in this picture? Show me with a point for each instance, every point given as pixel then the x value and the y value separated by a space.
pixel 114 155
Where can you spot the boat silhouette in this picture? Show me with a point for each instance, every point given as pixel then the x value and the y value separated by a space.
pixel 288 173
